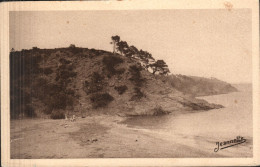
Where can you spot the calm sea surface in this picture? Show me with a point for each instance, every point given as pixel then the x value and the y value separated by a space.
pixel 201 130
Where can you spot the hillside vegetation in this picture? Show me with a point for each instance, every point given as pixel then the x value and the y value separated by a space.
pixel 199 86
pixel 55 82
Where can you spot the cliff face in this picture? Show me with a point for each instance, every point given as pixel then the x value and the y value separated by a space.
pixel 79 80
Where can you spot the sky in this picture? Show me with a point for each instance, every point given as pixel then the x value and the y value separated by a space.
pixel 208 43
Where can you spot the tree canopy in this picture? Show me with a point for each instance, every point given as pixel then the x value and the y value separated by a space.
pixel 144 57
pixel 115 40
pixel 160 66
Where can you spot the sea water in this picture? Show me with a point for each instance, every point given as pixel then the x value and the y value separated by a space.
pixel 202 130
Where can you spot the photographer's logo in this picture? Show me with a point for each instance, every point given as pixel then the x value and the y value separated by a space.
pixel 229 143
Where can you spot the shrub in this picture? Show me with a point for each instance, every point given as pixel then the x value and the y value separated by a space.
pixel 86 84
pixel 47 71
pixel 64 74
pixel 54 96
pixel 97 78
pixel 120 71
pixel 52 89
pixel 136 77
pixel 59 101
pixel 57 114
pixel 110 62
pixel 159 111
pixel 138 81
pixel 28 110
pixel 47 111
pixel 121 89
pixel 20 102
pixel 75 50
pixel 35 48
pixel 29 64
pixel 67 67
pixel 94 52
pixel 64 61
pixel 95 85
pixel 72 46
pixel 23 109
pixel 138 94
pixel 70 92
pixel 101 100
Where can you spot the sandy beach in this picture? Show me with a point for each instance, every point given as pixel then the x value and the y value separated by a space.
pixel 93 137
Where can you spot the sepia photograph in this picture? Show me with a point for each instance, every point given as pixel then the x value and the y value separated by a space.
pixel 139 83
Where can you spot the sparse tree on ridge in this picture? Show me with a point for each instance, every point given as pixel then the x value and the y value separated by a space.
pixel 160 66
pixel 123 47
pixel 115 40
pixel 143 57
pixel 166 71
pixel 133 51
pixel 146 58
